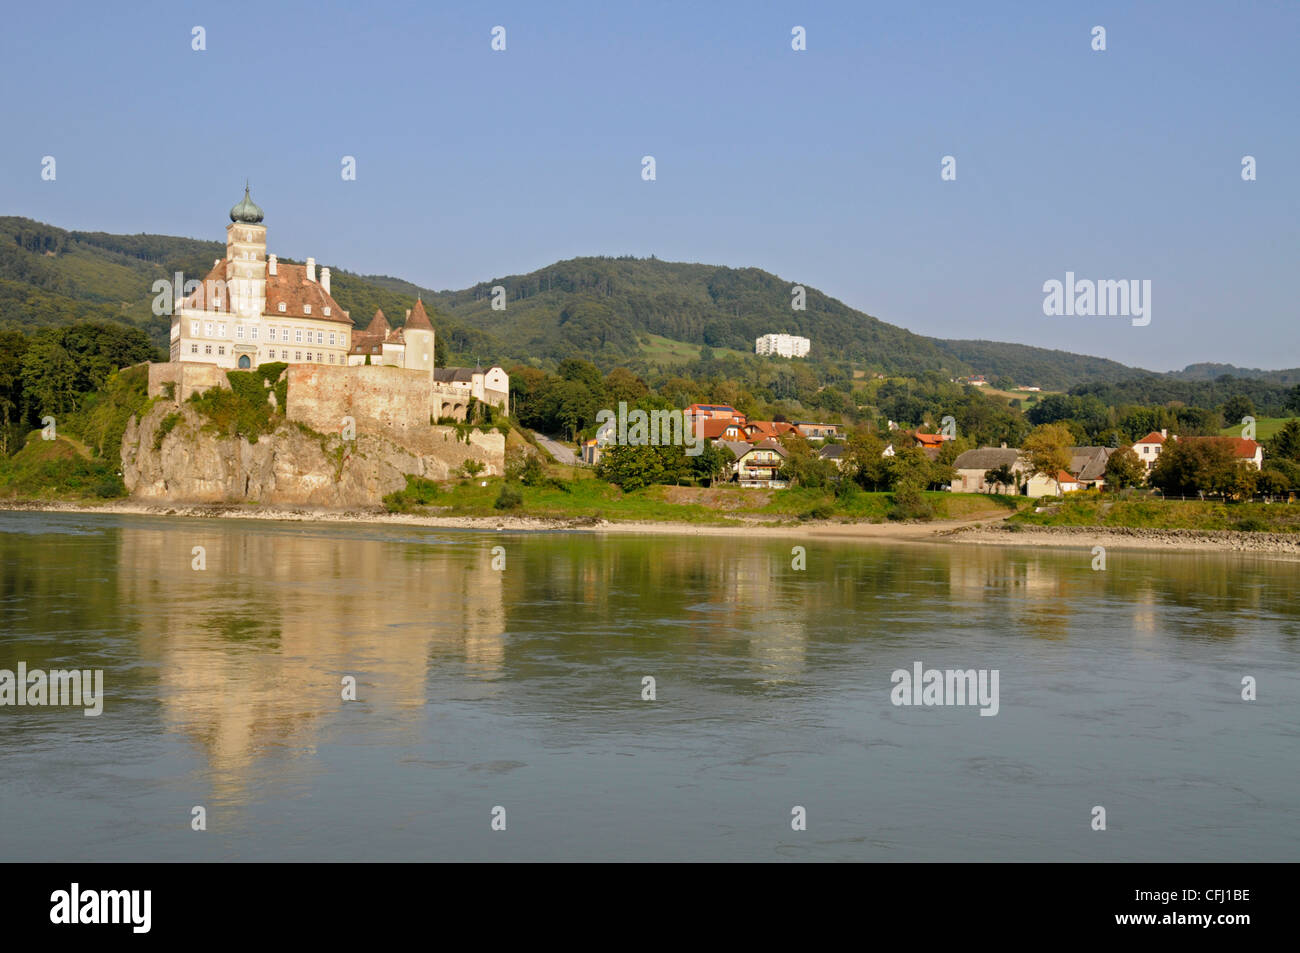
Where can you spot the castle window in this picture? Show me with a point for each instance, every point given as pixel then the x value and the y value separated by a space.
pixel 306 309
pixel 375 349
pixel 284 355
pixel 207 329
pixel 194 349
pixel 331 339
pixel 239 331
pixel 194 329
pixel 281 305
pixel 320 337
pixel 221 330
pixel 297 335
pixel 326 311
pixel 331 358
pixel 207 349
pixel 297 355
pixel 221 351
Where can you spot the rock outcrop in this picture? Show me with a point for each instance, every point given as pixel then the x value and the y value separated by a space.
pixel 171 454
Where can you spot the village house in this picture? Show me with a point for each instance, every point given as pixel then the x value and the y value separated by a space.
pixel 834 452
pixel 759 465
pixel 713 412
pixel 812 431
pixel 972 466
pixel 1149 447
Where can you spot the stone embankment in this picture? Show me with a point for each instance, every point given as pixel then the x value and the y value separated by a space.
pixel 1128 537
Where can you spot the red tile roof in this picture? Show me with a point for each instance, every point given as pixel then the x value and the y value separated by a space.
pixel 1152 437
pixel 1241 447
pixel 291 286
pixel 418 320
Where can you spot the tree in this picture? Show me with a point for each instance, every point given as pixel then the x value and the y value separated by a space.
pixel 1236 407
pixel 1048 449
pixel 1000 477
pixel 634 467
pixel 1286 442
pixel 1203 465
pixel 1124 469
pixel 863 461
pixel 711 462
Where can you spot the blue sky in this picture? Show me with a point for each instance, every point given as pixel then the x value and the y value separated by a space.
pixel 821 166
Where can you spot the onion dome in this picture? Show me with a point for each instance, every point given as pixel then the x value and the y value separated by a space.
pixel 246 211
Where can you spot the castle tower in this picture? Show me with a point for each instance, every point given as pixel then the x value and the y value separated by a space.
pixel 418 336
pixel 246 257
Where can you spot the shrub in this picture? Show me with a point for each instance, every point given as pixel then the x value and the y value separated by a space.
pixel 910 503
pixel 822 511
pixel 165 426
pixel 418 492
pixel 511 497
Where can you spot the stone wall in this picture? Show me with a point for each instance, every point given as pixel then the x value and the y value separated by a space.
pixel 390 410
pixel 188 377
pixel 384 400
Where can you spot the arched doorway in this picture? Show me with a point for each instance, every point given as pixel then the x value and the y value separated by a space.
pixel 244 362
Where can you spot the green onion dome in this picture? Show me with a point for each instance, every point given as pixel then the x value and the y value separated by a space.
pixel 246 211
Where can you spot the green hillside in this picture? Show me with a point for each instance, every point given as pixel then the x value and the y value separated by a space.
pixel 1037 366
pixel 601 307
pixel 643 313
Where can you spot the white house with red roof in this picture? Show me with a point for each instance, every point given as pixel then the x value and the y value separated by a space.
pixel 1149 447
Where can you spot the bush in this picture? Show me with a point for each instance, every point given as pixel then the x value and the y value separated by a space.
pixel 165 426
pixel 511 497
pixel 418 492
pixel 822 511
pixel 910 503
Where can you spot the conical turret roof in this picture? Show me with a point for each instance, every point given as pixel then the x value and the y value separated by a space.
pixel 418 320
pixel 378 324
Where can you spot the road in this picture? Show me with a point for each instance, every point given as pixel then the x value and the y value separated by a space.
pixel 559 451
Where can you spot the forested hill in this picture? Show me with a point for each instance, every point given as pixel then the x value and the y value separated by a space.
pixel 1051 370
pixel 600 308
pixel 603 307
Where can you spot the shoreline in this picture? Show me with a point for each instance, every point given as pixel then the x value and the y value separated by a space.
pixel 974 532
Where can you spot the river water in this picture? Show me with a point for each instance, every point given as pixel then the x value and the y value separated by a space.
pixel 509 687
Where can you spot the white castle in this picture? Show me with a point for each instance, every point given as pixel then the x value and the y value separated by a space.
pixel 783 345
pixel 251 309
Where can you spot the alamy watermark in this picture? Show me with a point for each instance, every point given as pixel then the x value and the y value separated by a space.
pixel 1127 298
pixel 649 428
pixel 929 687
pixel 37 688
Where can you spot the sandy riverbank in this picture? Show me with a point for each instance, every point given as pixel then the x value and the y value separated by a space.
pixel 978 532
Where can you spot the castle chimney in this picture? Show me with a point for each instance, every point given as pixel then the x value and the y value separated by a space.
pixel 1004 445
pixel 1164 433
pixel 408 314
pixel 311 269
pixel 325 279
pixel 215 262
pixel 270 265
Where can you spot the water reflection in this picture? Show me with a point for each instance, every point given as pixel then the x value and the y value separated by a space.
pixel 765 672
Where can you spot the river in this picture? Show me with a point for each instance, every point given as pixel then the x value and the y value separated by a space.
pixel 500 681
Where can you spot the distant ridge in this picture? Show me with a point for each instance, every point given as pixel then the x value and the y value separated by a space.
pixel 600 308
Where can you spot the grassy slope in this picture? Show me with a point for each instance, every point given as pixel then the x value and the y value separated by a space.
pixel 1265 427
pixel 1087 510
pixel 592 498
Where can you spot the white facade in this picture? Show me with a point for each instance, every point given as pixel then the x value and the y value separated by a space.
pixel 251 310
pixel 782 345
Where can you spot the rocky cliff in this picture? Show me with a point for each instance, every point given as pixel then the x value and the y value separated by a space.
pixel 172 454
